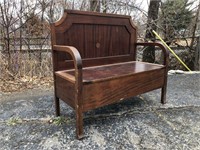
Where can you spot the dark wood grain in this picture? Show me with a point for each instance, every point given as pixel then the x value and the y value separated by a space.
pixel 88 62
pixel 94 62
pixel 101 35
pixel 109 72
pixel 65 90
pixel 110 91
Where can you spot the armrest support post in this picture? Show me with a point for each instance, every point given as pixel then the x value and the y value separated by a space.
pixel 78 84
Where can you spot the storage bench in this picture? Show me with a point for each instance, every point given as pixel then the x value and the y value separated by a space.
pixel 94 62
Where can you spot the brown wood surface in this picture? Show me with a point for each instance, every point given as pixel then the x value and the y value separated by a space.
pixel 95 35
pixel 107 92
pixel 94 62
pixel 65 90
pixel 68 64
pixel 111 71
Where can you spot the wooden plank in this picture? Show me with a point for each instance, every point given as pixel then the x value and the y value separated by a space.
pixel 68 64
pixel 63 74
pixel 112 71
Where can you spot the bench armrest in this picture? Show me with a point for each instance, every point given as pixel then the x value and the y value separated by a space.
pixel 76 59
pixel 163 48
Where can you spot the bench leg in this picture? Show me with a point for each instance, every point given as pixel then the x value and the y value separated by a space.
pixel 79 123
pixel 163 95
pixel 57 106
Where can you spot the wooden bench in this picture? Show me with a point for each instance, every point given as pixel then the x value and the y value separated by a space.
pixel 94 62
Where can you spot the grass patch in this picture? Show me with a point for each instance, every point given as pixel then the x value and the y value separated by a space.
pixel 13 121
pixel 59 120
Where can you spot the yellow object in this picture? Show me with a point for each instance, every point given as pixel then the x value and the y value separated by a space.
pixel 172 51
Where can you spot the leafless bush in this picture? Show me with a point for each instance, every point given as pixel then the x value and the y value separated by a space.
pixel 25 64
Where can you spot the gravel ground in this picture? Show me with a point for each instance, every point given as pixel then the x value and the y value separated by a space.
pixel 27 121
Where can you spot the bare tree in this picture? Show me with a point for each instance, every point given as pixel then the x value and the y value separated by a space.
pixel 11 16
pixel 195 25
pixel 7 18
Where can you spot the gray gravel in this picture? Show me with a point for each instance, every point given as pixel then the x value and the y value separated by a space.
pixel 27 121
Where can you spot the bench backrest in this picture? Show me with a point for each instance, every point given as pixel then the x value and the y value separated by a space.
pixel 100 38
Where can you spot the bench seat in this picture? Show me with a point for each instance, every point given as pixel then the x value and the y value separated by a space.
pixel 111 71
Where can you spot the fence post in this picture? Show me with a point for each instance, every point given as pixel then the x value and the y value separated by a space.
pixel 197 55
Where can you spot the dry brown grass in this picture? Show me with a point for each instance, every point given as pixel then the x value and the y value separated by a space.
pixel 25 71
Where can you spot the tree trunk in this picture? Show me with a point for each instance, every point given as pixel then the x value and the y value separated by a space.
pixel 20 31
pixel 42 31
pixel 197 56
pixel 195 26
pixel 7 45
pixel 149 53
pixel 95 5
